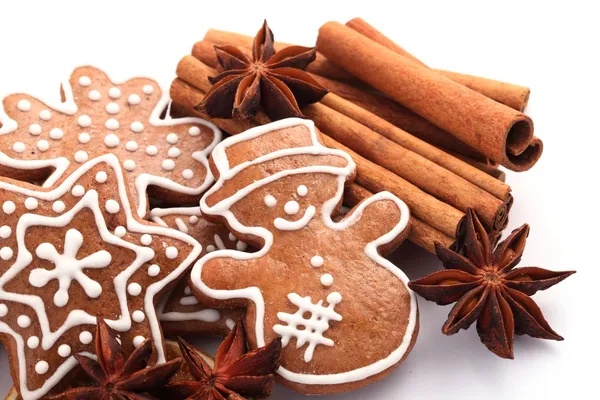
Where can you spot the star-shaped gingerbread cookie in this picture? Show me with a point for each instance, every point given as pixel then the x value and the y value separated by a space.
pixel 70 254
pixel 164 157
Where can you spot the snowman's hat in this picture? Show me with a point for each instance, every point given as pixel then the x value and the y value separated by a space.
pixel 264 154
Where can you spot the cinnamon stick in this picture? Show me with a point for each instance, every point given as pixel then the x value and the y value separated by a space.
pixel 420 234
pixel 511 95
pixel 499 132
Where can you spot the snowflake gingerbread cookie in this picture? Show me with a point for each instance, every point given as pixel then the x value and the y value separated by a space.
pixel 180 312
pixel 74 253
pixel 345 314
pixel 164 157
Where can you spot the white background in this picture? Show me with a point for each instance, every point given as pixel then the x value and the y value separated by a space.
pixel 551 48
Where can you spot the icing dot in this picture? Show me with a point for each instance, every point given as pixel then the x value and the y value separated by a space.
pixel 112 206
pixel 291 207
pixel 138 340
pixel 33 342
pixel 171 252
pixel 35 129
pixel 334 298
pixel 112 108
pixel 42 145
pixel 81 156
pixel 151 150
pixel 194 220
pixel 6 253
pixel 136 126
pixel 45 115
pixel 114 93
pixel 64 350
pixel 24 105
pixel 18 147
pixel 148 89
pixel 112 124
pixel 316 261
pixel 94 95
pixel 174 152
pixel 3 310
pixel 58 206
pixel 138 316
pixel 85 81
pixel 86 337
pixel 241 246
pixel 23 321
pixel 129 165
pixel 101 177
pixel 120 231
pixel 326 279
pixel 41 367
pixel 153 270
pixel 134 99
pixel 302 190
pixel 230 323
pixel 232 237
pixel 187 291
pixel 31 203
pixel 56 134
pixel 131 146
pixel 84 121
pixel 5 232
pixel 9 207
pixel 134 289
pixel 111 140
pixel 84 138
pixel 187 174
pixel 210 248
pixel 168 165
pixel 270 201
pixel 78 191
pixel 194 131
pixel 172 138
pixel 146 239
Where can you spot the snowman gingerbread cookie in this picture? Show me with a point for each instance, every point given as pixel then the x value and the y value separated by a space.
pixel 163 156
pixel 345 314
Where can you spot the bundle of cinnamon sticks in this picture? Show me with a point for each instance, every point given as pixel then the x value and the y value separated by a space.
pixel 431 137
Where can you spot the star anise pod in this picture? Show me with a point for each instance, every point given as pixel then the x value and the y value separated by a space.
pixel 274 80
pixel 487 289
pixel 236 373
pixel 115 378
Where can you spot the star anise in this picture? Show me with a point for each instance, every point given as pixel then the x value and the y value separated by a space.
pixel 274 80
pixel 236 373
pixel 115 378
pixel 486 287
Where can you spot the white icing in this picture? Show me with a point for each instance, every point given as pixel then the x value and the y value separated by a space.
pixel 24 105
pixel 253 293
pixel 112 108
pixel 174 152
pixel 146 239
pixel 78 191
pixel 120 231
pixel 84 121
pixel 171 252
pixel 134 99
pixel 3 310
pixel 41 367
pixel 172 138
pixel 138 340
pixel 112 206
pixel 189 301
pixel 19 147
pixel 131 146
pixel 114 93
pixel 112 124
pixel 23 321
pixel 210 248
pixel 241 246
pixel 232 237
pixel 316 261
pixel 148 89
pixel 35 129
pixel 56 134
pixel 86 337
pixel 302 190
pixel 129 165
pixel 5 232
pixel 111 140
pixel 6 253
pixel 45 115
pixel 8 207
pixel 84 138
pixel 194 131
pixel 31 203
pixel 270 201
pixel 230 323
pixel 326 279
pixel 181 225
pixel 219 242
pixel 291 207
pixel 153 270
pixel 138 316
pixel 313 327
pixel 64 350
pixel 187 291
pixel 94 95
pixel 42 145
pixel 101 177
pixel 284 225
pixel 68 268
pixel 194 219
pixel 151 150
pixel 134 289
pixel 168 165
pixel 85 81
pixel 187 174
pixel 58 206
pixel 136 127
pixel 33 342
pixel 81 156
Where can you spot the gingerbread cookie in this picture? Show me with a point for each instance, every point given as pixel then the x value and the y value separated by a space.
pixel 180 313
pixel 345 314
pixel 73 253
pixel 164 157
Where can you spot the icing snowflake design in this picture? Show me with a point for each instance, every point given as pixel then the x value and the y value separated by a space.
pixel 68 268
pixel 47 327
pixel 99 116
pixel 313 327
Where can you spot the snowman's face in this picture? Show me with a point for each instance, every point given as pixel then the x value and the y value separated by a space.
pixel 289 203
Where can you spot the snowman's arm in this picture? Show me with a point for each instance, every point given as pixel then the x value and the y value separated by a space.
pixel 382 217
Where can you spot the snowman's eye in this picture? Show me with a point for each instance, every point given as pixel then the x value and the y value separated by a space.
pixel 302 190
pixel 270 201
pixel 291 207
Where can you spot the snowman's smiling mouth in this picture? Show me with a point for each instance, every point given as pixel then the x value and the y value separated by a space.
pixel 284 225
